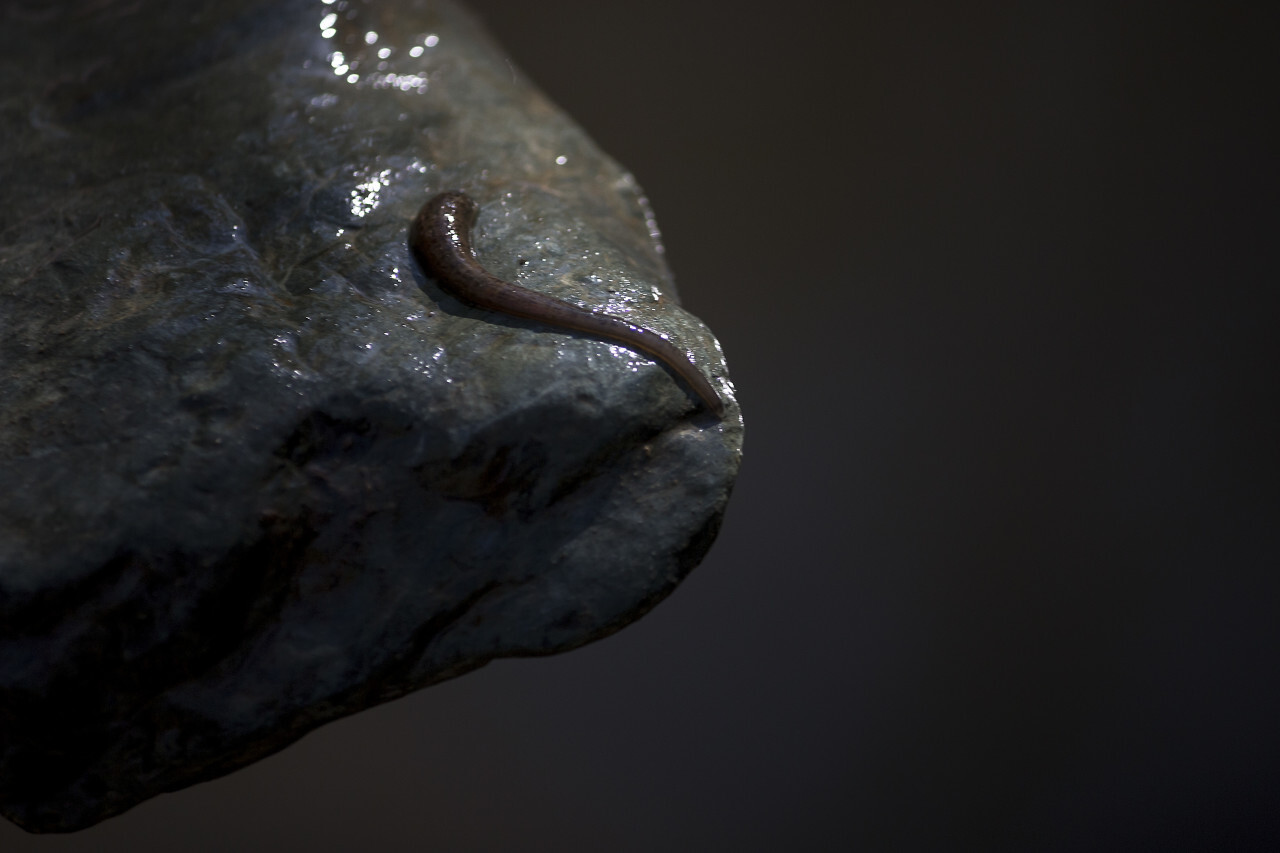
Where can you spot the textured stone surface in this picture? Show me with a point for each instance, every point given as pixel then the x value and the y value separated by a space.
pixel 256 471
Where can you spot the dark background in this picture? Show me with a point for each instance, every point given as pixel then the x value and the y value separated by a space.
pixel 1002 571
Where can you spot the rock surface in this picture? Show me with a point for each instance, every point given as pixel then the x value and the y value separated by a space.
pixel 257 471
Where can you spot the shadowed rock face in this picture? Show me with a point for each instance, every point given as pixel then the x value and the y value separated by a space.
pixel 257 471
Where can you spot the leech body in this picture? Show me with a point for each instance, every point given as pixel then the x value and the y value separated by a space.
pixel 441 238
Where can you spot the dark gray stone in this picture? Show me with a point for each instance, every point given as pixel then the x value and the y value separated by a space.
pixel 257 471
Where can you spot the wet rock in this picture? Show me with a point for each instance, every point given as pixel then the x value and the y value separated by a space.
pixel 257 471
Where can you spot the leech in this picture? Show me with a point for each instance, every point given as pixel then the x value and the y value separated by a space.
pixel 441 239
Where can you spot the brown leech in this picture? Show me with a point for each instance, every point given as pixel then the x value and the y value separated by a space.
pixel 441 238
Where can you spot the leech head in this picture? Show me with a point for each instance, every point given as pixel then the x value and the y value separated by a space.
pixel 459 207
pixel 456 212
